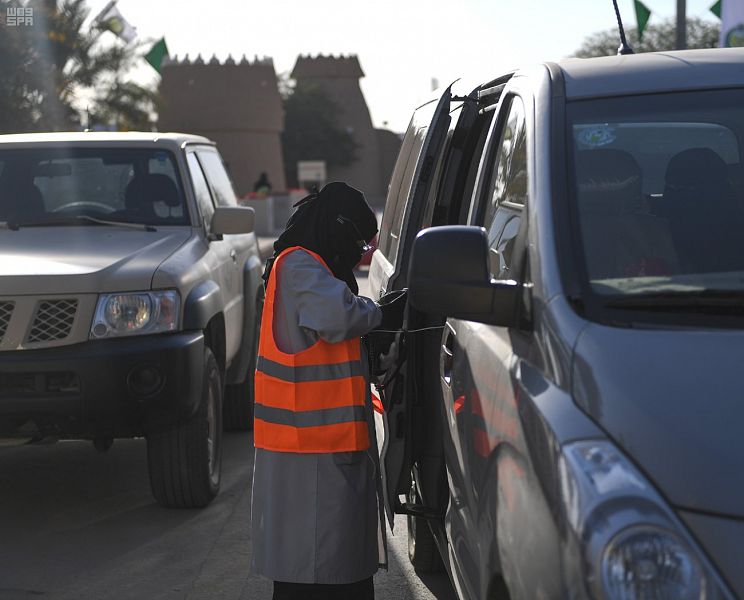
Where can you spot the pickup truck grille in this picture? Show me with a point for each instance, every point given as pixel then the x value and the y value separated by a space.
pixel 53 320
pixel 39 384
pixel 6 309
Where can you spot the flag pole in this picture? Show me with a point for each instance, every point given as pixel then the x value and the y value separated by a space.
pixel 681 43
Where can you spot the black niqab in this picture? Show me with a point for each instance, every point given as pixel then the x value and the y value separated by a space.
pixel 330 224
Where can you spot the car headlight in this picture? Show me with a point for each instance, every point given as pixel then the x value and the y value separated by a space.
pixel 135 313
pixel 644 562
pixel 633 545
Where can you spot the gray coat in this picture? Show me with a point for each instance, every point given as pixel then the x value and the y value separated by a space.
pixel 316 517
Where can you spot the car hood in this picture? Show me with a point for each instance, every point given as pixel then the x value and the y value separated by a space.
pixel 86 259
pixel 674 402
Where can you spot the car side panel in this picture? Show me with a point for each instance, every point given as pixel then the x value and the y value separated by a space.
pixel 253 294
pixel 457 397
pixel 501 519
pixel 188 268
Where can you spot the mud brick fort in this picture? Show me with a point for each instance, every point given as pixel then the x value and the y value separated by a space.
pixel 238 105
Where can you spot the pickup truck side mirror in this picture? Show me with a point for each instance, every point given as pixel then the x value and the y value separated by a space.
pixel 449 275
pixel 228 220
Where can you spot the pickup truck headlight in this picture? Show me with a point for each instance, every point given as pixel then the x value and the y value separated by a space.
pixel 633 544
pixel 136 313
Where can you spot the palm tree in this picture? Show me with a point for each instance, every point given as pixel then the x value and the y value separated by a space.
pixel 50 68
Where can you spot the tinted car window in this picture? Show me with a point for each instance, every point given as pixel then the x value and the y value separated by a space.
pixel 401 182
pixel 218 177
pixel 126 185
pixel 507 191
pixel 404 194
pixel 658 188
pixel 400 185
pixel 201 189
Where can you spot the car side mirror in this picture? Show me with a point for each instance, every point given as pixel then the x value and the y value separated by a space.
pixel 228 220
pixel 449 275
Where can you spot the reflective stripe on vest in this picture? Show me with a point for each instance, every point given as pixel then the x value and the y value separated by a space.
pixel 311 401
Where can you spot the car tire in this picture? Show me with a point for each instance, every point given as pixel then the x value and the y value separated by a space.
pixel 422 547
pixel 239 398
pixel 185 458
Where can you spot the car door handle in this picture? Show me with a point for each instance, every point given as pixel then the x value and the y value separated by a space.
pixel 447 355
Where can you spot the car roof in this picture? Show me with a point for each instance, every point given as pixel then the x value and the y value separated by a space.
pixel 103 138
pixel 653 72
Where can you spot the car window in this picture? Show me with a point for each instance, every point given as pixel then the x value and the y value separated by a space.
pixel 507 191
pixel 159 165
pixel 437 202
pixel 467 194
pixel 658 191
pixel 400 185
pixel 405 193
pixel 218 177
pixel 131 185
pixel 201 189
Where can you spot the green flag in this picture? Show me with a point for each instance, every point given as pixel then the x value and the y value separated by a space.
pixel 642 16
pixel 716 9
pixel 156 54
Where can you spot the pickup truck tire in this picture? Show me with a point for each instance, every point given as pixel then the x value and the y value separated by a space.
pixel 422 547
pixel 239 398
pixel 185 458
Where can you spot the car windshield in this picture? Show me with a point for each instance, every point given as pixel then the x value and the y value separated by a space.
pixel 59 186
pixel 658 192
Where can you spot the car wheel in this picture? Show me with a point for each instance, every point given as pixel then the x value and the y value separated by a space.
pixel 239 398
pixel 422 547
pixel 185 458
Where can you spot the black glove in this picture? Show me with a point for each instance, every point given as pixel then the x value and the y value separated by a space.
pixel 393 306
pixel 380 340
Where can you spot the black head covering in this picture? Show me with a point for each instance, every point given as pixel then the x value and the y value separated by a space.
pixel 332 223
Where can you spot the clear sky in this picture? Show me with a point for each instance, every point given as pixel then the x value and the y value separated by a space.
pixel 402 44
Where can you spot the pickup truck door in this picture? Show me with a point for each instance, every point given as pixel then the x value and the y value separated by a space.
pixel 232 251
pixel 424 144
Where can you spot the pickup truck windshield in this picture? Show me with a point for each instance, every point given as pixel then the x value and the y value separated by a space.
pixel 58 185
pixel 658 191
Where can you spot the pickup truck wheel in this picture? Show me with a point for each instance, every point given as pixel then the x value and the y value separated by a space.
pixel 185 458
pixel 239 398
pixel 422 547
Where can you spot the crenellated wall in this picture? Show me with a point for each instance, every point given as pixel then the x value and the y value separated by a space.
pixel 236 104
pixel 339 77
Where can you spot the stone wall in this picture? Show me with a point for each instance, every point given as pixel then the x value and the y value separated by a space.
pixel 235 104
pixel 339 78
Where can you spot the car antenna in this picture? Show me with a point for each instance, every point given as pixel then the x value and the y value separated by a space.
pixel 624 47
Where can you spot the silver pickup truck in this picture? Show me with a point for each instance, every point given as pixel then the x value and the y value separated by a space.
pixel 130 294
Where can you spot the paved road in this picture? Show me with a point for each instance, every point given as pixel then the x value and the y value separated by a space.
pixel 76 524
pixel 79 525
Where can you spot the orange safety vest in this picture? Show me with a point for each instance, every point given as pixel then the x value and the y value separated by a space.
pixel 312 401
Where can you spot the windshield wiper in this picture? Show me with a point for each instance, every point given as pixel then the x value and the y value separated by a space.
pixel 679 300
pixel 76 220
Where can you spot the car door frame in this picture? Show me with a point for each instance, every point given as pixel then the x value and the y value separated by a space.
pixel 220 258
pixel 238 248
pixel 395 449
pixel 470 527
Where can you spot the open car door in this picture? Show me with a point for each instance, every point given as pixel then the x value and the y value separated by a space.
pixel 410 186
